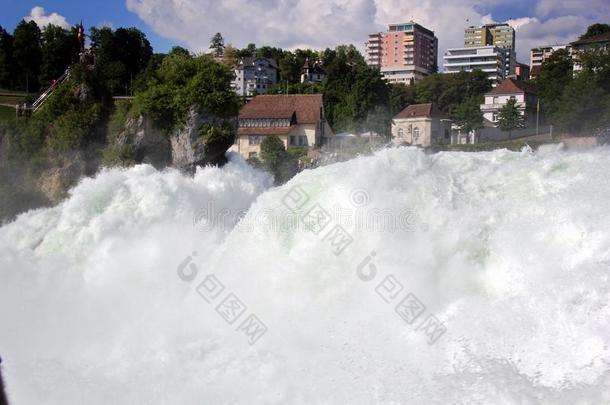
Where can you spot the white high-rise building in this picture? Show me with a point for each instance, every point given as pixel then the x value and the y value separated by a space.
pixel 492 60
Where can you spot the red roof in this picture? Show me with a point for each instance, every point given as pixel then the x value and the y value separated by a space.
pixel 420 110
pixel 512 86
pixel 306 107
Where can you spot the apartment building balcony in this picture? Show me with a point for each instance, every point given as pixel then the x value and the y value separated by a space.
pixel 472 63
pixel 495 107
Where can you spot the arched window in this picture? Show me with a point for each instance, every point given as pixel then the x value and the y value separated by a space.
pixel 401 133
pixel 415 133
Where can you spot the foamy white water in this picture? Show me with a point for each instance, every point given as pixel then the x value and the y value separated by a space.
pixel 510 251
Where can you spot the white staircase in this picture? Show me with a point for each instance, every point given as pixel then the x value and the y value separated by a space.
pixel 45 95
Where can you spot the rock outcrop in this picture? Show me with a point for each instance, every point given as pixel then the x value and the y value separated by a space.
pixel 183 148
pixel 55 181
pixel 149 145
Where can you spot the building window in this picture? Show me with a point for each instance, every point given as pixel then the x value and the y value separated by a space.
pixel 415 133
pixel 401 133
pixel 252 155
pixel 293 140
pixel 494 117
pixel 302 140
pixel 254 139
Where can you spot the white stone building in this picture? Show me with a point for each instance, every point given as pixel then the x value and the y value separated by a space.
pixel 254 76
pixel 523 93
pixel 421 125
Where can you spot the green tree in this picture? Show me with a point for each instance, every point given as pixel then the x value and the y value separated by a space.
pixel 401 96
pixel 352 89
pixel 468 115
pixel 217 44
pixel 276 160
pixel 595 29
pixel 178 50
pixel 556 73
pixel 510 118
pixel 119 56
pixel 7 65
pixel 247 52
pixel 60 49
pixel 28 53
pixel 582 106
pixel 229 56
pixel 183 81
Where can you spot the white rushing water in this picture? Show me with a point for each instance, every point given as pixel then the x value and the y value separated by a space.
pixel 488 284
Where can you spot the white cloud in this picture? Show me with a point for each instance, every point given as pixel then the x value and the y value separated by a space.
pixel 590 9
pixel 327 23
pixel 38 15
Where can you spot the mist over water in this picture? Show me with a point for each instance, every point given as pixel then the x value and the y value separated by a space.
pixel 510 251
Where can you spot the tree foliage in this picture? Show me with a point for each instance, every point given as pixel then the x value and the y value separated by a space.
pixel 556 73
pixel 120 55
pixel 217 44
pixel 509 117
pixel 468 115
pixel 60 48
pixel 27 53
pixel 595 29
pixel 182 81
pixel 276 160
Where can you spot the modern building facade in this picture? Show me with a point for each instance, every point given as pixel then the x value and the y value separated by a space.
pixel 406 53
pixel 297 119
pixel 499 35
pixel 421 125
pixel 254 76
pixel 489 59
pixel 540 54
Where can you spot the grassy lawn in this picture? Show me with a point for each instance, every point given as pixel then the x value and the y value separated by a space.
pixel 10 98
pixel 6 113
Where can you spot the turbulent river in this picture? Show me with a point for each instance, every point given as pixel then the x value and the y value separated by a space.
pixel 403 277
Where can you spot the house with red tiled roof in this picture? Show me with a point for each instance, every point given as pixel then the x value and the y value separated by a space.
pixel 422 125
pixel 522 92
pixel 297 119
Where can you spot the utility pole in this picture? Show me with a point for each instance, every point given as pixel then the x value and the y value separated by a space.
pixel 537 115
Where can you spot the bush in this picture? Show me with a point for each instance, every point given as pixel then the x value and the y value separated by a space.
pixel 183 82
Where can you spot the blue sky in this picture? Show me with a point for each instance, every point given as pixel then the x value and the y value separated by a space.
pixel 93 13
pixel 318 23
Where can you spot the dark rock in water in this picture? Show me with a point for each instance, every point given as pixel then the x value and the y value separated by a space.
pixel 189 150
pixel 149 145
pixel 55 181
pixel 183 148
